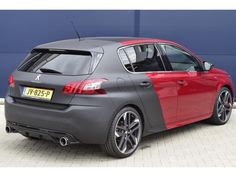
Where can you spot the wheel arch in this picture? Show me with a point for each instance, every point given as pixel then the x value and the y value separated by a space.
pixel 139 111
pixel 145 123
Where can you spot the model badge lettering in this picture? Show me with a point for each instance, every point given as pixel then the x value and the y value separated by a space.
pixel 37 77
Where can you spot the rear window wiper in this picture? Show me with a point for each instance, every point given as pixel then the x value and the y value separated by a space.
pixel 47 70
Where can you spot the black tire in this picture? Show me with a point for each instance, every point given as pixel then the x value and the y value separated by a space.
pixel 217 117
pixel 120 137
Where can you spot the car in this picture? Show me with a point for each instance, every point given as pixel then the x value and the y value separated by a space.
pixel 112 91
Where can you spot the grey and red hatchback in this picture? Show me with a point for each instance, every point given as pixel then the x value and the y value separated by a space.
pixel 113 91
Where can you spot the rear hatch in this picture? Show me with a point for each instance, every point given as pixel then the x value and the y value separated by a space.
pixel 44 74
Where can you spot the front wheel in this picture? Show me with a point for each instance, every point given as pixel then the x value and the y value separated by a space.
pixel 125 133
pixel 223 107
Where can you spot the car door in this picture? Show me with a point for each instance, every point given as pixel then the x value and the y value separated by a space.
pixel 195 90
pixel 156 89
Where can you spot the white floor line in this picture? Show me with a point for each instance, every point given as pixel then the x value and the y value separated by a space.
pixel 1 101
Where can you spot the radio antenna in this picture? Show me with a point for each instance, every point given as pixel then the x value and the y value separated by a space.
pixel 76 31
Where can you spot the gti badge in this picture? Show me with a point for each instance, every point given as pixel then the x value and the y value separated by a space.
pixel 37 78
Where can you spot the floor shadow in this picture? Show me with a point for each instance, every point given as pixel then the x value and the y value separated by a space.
pixel 42 150
pixel 172 133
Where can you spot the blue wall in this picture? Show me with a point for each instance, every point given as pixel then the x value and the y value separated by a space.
pixel 211 34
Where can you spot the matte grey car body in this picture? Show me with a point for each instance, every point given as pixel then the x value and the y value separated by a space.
pixel 84 118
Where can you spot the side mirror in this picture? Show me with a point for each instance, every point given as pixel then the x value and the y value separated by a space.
pixel 207 66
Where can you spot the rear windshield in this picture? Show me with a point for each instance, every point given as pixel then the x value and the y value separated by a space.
pixel 59 62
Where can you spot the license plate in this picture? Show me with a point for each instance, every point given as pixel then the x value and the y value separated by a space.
pixel 38 93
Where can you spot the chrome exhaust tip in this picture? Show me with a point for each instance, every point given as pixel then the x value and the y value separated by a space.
pixel 64 141
pixel 9 129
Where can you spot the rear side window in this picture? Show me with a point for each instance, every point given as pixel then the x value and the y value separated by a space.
pixel 141 58
pixel 65 63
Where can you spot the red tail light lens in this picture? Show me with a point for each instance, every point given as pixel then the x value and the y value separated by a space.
pixel 11 81
pixel 71 88
pixel 88 87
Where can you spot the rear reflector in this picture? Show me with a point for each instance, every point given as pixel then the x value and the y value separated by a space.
pixel 88 87
pixel 11 81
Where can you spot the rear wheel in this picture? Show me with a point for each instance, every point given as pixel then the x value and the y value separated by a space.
pixel 125 133
pixel 223 107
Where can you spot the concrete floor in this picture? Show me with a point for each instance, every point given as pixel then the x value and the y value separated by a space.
pixel 195 145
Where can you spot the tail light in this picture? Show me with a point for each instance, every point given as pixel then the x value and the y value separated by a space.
pixel 11 81
pixel 88 87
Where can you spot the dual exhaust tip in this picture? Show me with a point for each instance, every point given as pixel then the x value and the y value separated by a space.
pixel 63 141
pixel 10 130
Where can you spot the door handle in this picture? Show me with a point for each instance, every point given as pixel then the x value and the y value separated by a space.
pixel 145 84
pixel 182 82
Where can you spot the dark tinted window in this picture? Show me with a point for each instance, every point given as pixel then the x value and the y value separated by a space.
pixel 179 59
pixel 141 58
pixel 59 63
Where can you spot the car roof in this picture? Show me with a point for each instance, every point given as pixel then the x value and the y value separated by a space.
pixel 97 43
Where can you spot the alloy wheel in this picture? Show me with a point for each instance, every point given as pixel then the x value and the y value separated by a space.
pixel 224 105
pixel 128 132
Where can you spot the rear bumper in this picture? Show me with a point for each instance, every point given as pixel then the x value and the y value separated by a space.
pixel 84 124
pixel 40 133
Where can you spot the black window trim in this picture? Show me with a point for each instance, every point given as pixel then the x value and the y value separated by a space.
pixel 181 48
pixel 164 59
pixel 133 72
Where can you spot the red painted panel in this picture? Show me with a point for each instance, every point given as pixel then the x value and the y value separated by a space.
pixel 196 95
pixel 185 97
pixel 141 41
pixel 165 87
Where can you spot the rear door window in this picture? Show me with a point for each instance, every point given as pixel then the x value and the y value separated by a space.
pixel 141 58
pixel 59 63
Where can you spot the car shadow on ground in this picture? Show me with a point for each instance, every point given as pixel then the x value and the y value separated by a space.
pixel 41 150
